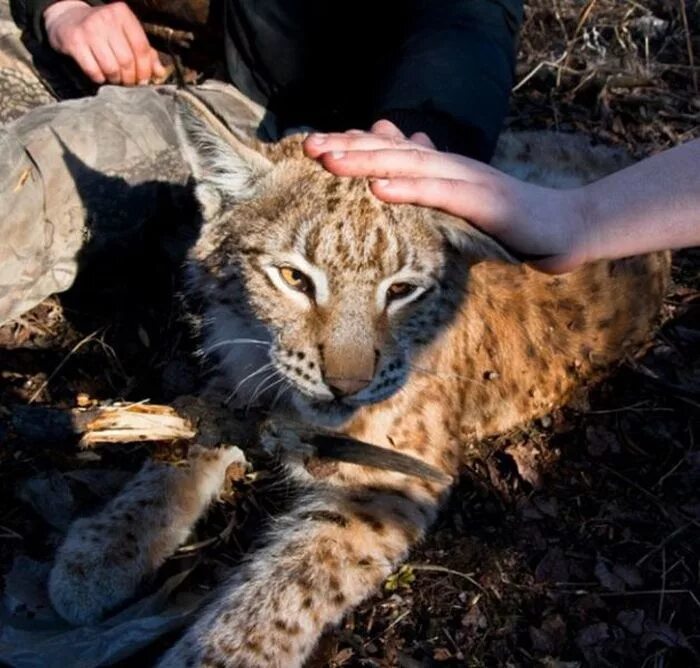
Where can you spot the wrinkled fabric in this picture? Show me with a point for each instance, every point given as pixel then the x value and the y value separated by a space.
pixel 88 176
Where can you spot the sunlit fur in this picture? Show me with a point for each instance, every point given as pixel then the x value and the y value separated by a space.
pixel 484 347
pixel 352 247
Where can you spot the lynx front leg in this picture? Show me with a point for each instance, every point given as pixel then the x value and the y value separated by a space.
pixel 322 559
pixel 105 558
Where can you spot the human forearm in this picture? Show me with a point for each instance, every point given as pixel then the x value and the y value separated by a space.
pixel 652 205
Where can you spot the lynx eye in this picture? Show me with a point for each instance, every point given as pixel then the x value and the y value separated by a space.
pixel 400 290
pixel 297 280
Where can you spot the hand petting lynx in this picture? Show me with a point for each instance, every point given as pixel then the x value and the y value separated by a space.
pixel 394 325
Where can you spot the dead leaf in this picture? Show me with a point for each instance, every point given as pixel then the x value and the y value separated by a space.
pixel 632 621
pixel 629 574
pixel 655 631
pixel 547 506
pixel 593 635
pixel 526 460
pixel 343 656
pixel 607 578
pixel 475 619
pixel 550 638
pixel 553 567
pixel 600 440
pixel 442 654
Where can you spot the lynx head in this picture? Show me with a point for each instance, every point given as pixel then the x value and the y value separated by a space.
pixel 314 288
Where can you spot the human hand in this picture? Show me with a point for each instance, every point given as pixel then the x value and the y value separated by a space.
pixel 537 222
pixel 108 42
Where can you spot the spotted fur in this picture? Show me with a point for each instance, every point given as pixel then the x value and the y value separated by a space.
pixel 479 346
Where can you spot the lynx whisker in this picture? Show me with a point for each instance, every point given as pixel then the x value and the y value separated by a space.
pixel 261 388
pixel 232 342
pixel 262 369
pixel 285 387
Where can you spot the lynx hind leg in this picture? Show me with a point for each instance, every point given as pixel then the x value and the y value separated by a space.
pixel 105 558
pixel 332 551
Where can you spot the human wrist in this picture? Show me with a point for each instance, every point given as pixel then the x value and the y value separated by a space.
pixel 59 7
pixel 583 246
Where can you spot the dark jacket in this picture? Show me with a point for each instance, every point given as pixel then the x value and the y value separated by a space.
pixel 441 66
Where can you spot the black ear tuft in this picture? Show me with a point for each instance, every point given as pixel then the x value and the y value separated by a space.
pixel 224 168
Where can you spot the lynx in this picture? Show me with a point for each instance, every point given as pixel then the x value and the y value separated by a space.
pixel 394 325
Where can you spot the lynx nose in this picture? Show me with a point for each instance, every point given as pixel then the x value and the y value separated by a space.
pixel 344 387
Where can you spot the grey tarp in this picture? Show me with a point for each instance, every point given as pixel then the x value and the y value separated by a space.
pixel 84 176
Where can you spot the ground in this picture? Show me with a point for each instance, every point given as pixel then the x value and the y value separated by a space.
pixel 572 543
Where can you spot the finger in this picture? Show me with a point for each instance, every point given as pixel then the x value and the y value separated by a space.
pixel 106 60
pixel 125 57
pixel 386 129
pixel 412 162
pixel 460 198
pixel 140 48
pixel 316 144
pixel 159 70
pixel 422 139
pixel 82 55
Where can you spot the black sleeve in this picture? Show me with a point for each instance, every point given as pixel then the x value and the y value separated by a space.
pixel 28 14
pixel 453 74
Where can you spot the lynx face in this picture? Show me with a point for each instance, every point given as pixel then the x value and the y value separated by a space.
pixel 326 291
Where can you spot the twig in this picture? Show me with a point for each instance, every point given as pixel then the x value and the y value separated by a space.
pixel 643 592
pixel 666 475
pixel 6 533
pixel 689 45
pixel 663 543
pixel 402 616
pixel 659 614
pixel 61 364
pixel 659 503
pixel 179 38
pixel 443 569
pixel 537 68
pixel 583 17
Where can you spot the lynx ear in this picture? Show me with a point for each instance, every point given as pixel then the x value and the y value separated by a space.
pixel 471 241
pixel 225 169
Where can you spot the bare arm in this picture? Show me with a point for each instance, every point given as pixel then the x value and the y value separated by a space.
pixel 652 205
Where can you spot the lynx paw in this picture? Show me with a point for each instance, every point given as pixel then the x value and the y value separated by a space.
pixel 105 558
